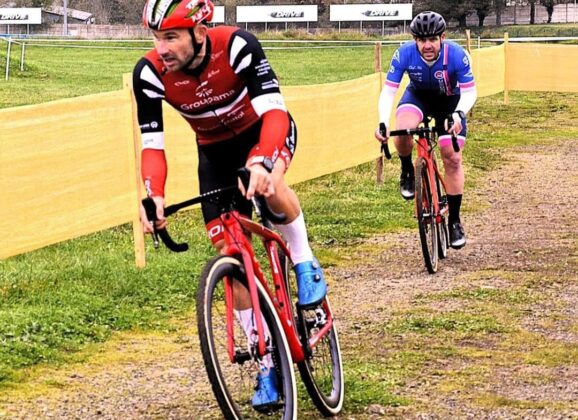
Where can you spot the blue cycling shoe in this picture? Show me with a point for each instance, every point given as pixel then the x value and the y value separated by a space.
pixel 311 286
pixel 266 394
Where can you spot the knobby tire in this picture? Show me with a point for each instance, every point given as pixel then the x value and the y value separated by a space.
pixel 322 370
pixel 428 231
pixel 233 383
pixel 442 226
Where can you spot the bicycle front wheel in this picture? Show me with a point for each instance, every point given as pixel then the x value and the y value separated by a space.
pixel 442 220
pixel 428 232
pixel 233 382
pixel 322 369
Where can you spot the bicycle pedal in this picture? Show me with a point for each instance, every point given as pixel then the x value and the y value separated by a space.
pixel 242 356
pixel 316 318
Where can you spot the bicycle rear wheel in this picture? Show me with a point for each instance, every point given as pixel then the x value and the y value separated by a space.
pixel 428 231
pixel 322 369
pixel 234 383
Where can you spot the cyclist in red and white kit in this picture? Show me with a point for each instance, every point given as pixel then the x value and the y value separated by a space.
pixel 220 81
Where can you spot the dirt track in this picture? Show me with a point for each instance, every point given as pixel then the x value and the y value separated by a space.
pixel 525 236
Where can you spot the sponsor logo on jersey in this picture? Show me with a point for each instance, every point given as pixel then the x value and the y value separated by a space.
pixel 148 187
pixel 213 73
pixel 233 118
pixel 280 15
pixel 235 111
pixel 152 125
pixel 271 84
pixel 216 55
pixel 182 82
pixel 218 126
pixel 439 74
pixel 379 13
pixel 414 68
pixel 207 101
pixel 263 67
pixel 276 100
pixel 290 140
pixel 203 91
pixel 396 56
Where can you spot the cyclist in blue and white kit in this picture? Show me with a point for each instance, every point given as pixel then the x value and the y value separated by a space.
pixel 441 84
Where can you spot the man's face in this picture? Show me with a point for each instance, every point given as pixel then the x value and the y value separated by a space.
pixel 430 47
pixel 175 47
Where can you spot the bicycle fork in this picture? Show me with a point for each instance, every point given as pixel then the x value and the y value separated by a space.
pixel 236 244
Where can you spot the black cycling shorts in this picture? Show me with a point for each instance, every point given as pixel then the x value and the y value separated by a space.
pixel 218 164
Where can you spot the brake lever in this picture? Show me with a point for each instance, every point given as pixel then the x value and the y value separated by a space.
pixel 151 212
pixel 455 144
pixel 384 146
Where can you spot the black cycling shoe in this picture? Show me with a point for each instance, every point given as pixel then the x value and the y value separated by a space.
pixel 407 185
pixel 457 235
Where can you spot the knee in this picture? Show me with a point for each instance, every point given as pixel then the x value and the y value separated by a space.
pixel 453 162
pixel 405 120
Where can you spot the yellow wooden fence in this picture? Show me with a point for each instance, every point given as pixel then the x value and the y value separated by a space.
pixel 70 167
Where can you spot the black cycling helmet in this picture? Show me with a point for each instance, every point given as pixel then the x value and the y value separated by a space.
pixel 427 24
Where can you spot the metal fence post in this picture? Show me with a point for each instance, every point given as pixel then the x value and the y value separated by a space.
pixel 22 56
pixel 8 58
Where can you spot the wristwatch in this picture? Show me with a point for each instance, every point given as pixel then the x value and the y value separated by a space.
pixel 461 114
pixel 265 161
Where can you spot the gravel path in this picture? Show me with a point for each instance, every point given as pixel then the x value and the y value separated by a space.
pixel 527 230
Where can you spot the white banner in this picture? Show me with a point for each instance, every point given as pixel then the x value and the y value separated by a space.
pixel 24 15
pixel 218 15
pixel 359 12
pixel 277 13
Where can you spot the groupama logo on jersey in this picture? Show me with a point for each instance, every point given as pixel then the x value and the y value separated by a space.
pixel 203 91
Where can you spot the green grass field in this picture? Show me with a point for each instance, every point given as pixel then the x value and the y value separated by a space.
pixel 57 300
pixel 54 72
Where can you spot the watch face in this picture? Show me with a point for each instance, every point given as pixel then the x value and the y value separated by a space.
pixel 268 164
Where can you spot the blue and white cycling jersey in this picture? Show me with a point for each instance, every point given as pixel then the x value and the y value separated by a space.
pixel 449 75
pixel 435 89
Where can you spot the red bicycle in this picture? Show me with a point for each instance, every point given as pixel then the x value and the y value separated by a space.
pixel 431 208
pixel 307 337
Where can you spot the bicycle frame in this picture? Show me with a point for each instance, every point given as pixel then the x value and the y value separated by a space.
pixel 237 243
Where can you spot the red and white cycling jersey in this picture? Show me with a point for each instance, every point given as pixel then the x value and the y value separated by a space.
pixel 228 93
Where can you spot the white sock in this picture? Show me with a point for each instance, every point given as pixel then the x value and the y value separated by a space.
pixel 295 233
pixel 247 319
